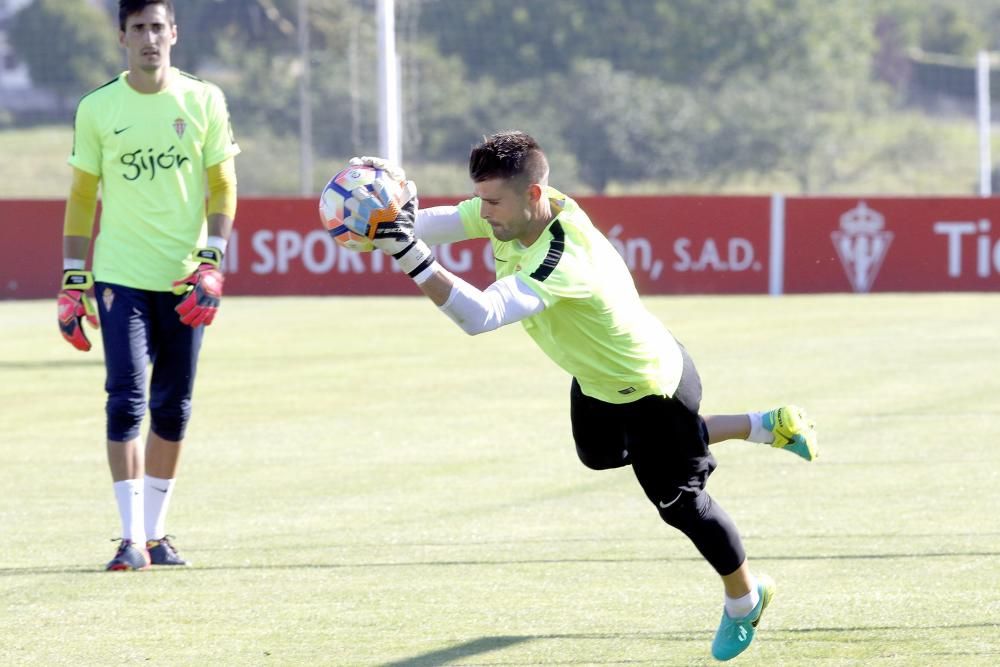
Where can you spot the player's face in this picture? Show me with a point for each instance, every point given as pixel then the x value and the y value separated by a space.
pixel 147 38
pixel 506 207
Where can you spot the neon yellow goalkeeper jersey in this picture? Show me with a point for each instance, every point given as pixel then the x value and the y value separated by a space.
pixel 151 152
pixel 593 326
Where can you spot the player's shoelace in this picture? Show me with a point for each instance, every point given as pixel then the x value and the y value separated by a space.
pixel 123 544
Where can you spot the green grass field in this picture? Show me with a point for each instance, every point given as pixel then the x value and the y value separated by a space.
pixel 363 484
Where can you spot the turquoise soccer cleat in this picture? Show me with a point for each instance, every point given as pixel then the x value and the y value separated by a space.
pixel 793 431
pixel 734 635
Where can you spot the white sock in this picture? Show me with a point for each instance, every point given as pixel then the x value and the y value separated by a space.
pixel 128 494
pixel 740 607
pixel 158 493
pixel 757 431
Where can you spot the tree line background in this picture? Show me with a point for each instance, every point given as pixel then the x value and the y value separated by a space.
pixel 639 96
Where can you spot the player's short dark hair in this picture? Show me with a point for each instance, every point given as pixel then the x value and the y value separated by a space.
pixel 510 155
pixel 128 7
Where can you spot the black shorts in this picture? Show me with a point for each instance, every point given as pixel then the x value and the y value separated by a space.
pixel 665 440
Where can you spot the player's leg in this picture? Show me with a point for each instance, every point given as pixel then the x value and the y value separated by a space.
pixel 671 460
pixel 741 614
pixel 124 317
pixel 597 431
pixel 175 348
pixel 727 427
pixel 787 427
pixel 162 457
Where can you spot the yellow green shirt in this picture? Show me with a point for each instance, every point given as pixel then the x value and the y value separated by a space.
pixel 150 152
pixel 594 325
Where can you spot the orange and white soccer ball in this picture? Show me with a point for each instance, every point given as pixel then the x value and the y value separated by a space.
pixel 337 202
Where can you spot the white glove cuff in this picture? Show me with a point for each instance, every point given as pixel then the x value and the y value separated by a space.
pixel 218 243
pixel 414 259
pixel 426 274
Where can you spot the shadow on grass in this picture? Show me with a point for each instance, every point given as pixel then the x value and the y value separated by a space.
pixel 487 644
pixel 664 538
pixel 52 363
pixel 55 569
pixel 882 628
pixel 464 650
pixel 482 645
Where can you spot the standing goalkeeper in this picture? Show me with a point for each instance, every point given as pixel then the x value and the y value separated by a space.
pixel 148 137
pixel 635 393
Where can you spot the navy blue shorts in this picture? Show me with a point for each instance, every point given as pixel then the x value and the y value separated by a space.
pixel 139 328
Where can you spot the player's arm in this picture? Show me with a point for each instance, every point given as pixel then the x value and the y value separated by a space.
pixel 476 311
pixel 78 221
pixel 204 286
pixel 221 209
pixel 440 224
pixel 504 302
pixel 73 305
pixel 405 239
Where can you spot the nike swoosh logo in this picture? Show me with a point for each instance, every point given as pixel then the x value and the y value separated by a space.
pixel 122 130
pixel 664 505
pixel 156 488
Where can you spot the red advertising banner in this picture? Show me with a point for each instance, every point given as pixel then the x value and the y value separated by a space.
pixel 673 245
pixel 882 244
pixel 689 245
pixel 30 248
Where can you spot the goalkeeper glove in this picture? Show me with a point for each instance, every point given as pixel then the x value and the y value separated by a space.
pixel 367 209
pixel 74 306
pixel 397 238
pixel 388 218
pixel 203 288
pixel 394 171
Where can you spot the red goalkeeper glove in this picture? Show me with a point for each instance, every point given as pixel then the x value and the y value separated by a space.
pixel 74 307
pixel 203 289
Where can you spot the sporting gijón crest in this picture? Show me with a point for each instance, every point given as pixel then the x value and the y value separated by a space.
pixel 179 126
pixel 862 243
